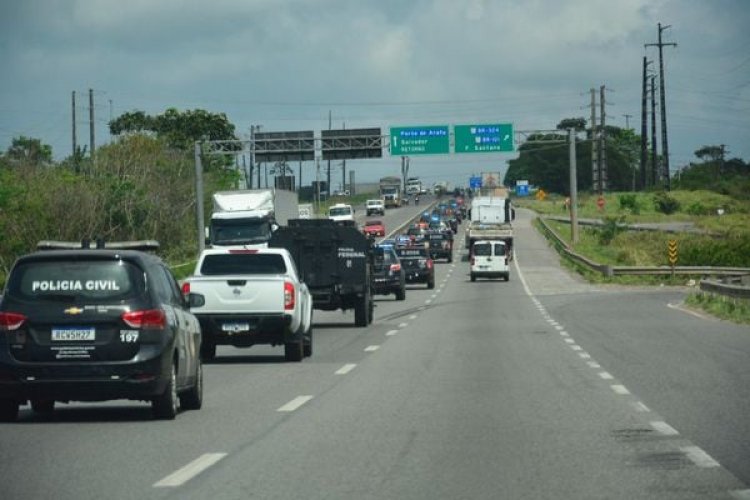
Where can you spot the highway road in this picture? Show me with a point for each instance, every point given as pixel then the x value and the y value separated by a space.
pixel 543 387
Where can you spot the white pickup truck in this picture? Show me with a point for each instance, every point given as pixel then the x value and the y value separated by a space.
pixel 251 296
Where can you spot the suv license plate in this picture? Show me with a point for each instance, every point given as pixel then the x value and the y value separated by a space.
pixel 74 334
pixel 235 327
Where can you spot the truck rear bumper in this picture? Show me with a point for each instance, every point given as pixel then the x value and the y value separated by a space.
pixel 246 330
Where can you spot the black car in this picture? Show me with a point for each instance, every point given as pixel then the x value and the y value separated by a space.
pixel 388 274
pixel 97 324
pixel 440 244
pixel 417 264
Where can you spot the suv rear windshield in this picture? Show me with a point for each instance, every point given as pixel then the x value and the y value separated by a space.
pixel 242 263
pixel 78 280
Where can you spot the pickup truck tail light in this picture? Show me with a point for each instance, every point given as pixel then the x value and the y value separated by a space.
pixel 147 319
pixel 289 299
pixel 186 288
pixel 395 268
pixel 10 321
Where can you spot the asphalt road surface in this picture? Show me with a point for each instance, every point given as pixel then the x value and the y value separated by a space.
pixel 543 387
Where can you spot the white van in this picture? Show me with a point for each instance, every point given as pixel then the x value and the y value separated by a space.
pixel 341 212
pixel 489 259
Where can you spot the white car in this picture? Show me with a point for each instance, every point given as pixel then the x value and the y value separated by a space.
pixel 489 259
pixel 375 207
pixel 341 212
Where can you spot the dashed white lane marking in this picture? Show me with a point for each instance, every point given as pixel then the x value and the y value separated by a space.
pixel 576 348
pixel 564 334
pixel 593 364
pixel 434 295
pixel 699 457
pixel 569 340
pixel 664 428
pixel 403 325
pixel 427 301
pixel 295 403
pixel 345 369
pixel 413 316
pixel 620 389
pixel 552 322
pixel 186 473
pixel 606 376
pixel 584 355
pixel 640 407
pixel 372 348
pixel 559 327
pixel 391 333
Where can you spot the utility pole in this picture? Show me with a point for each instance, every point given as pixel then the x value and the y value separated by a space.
pixel 328 176
pixel 644 126
pixel 92 143
pixel 663 104
pixel 573 187
pixel 602 144
pixel 627 121
pixel 75 140
pixel 654 156
pixel 594 143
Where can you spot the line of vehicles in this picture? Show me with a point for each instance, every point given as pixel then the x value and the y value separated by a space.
pixel 94 321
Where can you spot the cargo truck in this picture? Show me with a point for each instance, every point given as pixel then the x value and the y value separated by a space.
pixel 246 218
pixel 390 191
pixel 491 219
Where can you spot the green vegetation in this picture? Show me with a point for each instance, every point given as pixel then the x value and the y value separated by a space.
pixel 732 309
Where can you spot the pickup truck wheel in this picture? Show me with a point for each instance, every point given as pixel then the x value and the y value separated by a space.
pixel 165 405
pixel 401 293
pixel 308 343
pixel 208 351
pixel 293 351
pixel 43 406
pixel 192 399
pixel 8 410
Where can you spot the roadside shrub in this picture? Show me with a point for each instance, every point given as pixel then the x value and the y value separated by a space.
pixel 665 203
pixel 610 228
pixel 630 202
pixel 697 208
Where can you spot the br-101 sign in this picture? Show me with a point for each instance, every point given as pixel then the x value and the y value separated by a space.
pixel 491 138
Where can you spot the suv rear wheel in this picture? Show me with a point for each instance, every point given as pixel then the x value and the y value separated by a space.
pixel 43 406
pixel 165 405
pixel 192 399
pixel 8 410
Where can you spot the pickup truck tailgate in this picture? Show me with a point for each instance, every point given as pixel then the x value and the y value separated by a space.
pixel 240 294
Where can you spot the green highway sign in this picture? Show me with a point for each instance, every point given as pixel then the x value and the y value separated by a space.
pixel 492 138
pixel 425 140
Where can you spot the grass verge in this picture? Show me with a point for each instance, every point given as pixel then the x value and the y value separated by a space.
pixel 728 308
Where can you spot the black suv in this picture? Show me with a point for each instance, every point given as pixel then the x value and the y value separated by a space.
pixel 441 244
pixel 388 275
pixel 97 324
pixel 417 264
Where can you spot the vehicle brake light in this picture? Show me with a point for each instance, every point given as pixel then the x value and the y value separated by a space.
pixel 288 296
pixel 147 319
pixel 186 288
pixel 243 250
pixel 10 321
pixel 395 268
pixel 429 263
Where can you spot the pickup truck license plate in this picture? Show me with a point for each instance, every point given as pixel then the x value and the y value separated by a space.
pixel 75 333
pixel 235 327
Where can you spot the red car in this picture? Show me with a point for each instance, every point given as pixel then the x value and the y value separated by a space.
pixel 374 228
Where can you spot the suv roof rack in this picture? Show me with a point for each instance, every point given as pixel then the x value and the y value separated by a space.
pixel 99 244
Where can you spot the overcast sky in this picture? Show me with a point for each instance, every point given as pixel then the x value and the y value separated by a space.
pixel 284 64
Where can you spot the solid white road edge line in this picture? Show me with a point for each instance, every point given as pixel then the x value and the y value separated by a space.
pixel 186 473
pixel 295 403
pixel 345 369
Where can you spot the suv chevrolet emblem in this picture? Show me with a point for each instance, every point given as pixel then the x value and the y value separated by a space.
pixel 73 310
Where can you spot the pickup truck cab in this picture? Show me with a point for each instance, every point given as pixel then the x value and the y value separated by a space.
pixel 489 259
pixel 375 207
pixel 249 297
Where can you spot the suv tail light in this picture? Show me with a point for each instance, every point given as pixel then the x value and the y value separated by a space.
pixel 429 263
pixel 395 268
pixel 288 296
pixel 10 321
pixel 147 319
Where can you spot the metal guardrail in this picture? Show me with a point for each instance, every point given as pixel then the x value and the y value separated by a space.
pixel 610 271
pixel 736 286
